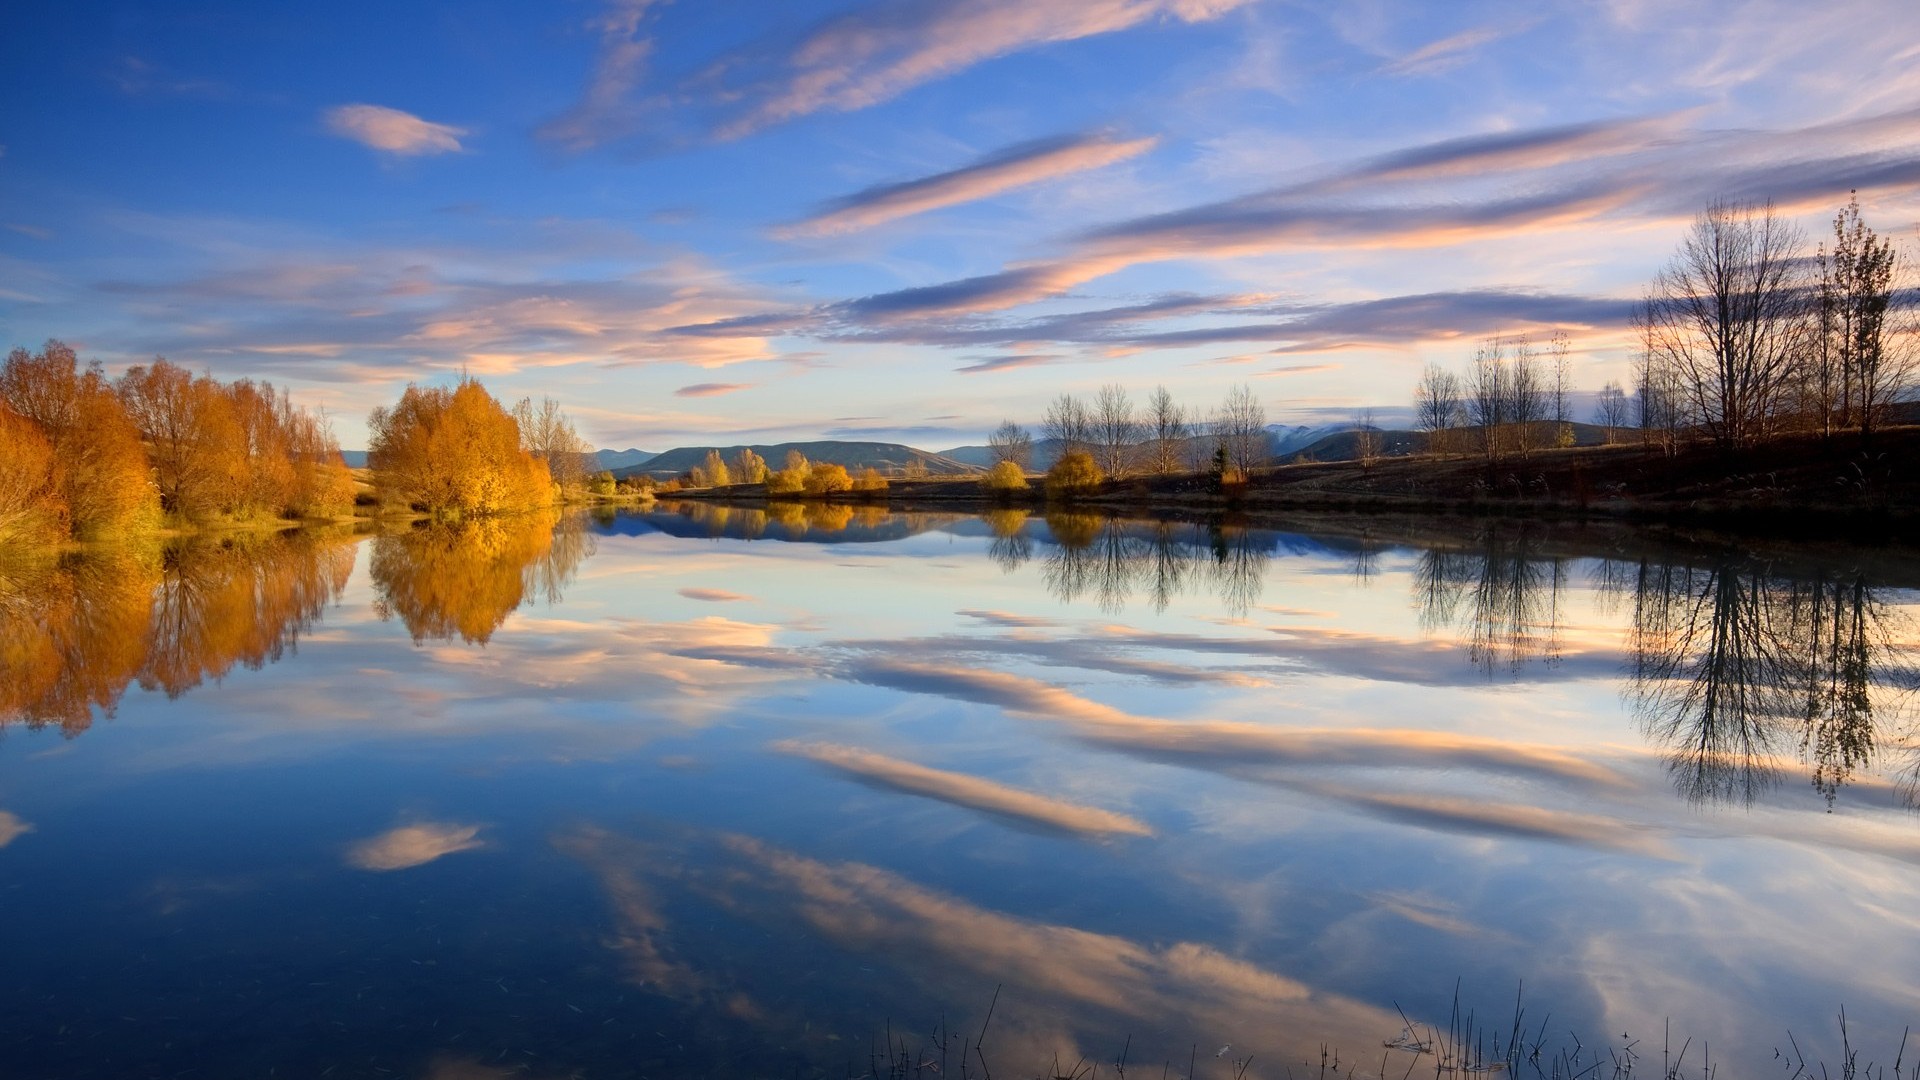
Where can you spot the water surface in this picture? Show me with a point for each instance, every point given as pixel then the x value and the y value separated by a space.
pixel 706 791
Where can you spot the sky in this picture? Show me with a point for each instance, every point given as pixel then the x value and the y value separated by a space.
pixel 905 219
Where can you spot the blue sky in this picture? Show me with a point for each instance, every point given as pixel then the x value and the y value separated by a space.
pixel 903 219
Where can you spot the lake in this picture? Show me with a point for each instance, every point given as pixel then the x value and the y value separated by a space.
pixel 698 791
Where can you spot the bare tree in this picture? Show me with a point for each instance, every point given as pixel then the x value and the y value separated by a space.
pixel 547 433
pixel 1366 438
pixel 1115 430
pixel 1011 442
pixel 1436 406
pixel 1068 425
pixel 1527 394
pixel 1170 431
pixel 1611 411
pixel 1657 393
pixel 1728 317
pixel 1560 388
pixel 1240 428
pixel 1488 397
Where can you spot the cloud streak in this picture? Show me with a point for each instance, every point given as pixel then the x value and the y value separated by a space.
pixel 971 792
pixel 875 53
pixel 1014 167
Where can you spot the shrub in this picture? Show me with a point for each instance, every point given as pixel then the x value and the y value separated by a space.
pixel 870 480
pixel 1073 475
pixel 787 482
pixel 824 478
pixel 1004 478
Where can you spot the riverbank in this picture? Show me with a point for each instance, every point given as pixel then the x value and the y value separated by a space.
pixel 1803 486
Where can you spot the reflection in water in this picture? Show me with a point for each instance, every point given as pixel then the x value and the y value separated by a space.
pixel 1737 664
pixel 446 580
pixel 1504 595
pixel 76 630
pixel 1110 559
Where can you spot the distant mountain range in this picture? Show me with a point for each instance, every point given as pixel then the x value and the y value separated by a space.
pixel 1285 444
pixel 855 456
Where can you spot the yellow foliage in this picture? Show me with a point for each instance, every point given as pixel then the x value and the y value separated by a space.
pixel 31 510
pixel 455 453
pixel 1005 476
pixel 463 579
pixel 787 481
pixel 100 468
pixel 870 480
pixel 1074 474
pixel 824 478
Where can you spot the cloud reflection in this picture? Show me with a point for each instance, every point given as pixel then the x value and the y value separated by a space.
pixel 12 828
pixel 972 792
pixel 413 845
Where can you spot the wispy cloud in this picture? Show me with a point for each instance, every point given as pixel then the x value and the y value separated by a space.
pixel 12 828
pixel 606 110
pixel 873 54
pixel 714 596
pixel 1008 363
pixel 1446 53
pixel 393 131
pixel 711 389
pixel 1013 167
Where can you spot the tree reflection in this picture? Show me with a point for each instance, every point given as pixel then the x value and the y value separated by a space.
pixel 1737 666
pixel 76 630
pixel 1109 560
pixel 1010 547
pixel 1504 595
pixel 447 580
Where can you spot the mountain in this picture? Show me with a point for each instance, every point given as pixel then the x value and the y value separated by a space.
pixel 855 456
pixel 621 459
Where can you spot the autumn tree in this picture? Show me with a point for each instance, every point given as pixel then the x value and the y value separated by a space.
pixel 100 468
pixel 1011 443
pixel 715 469
pixel 31 509
pixel 192 434
pixel 1073 475
pixel 454 452
pixel 749 467
pixel 824 478
pixel 1004 478
pixel 792 477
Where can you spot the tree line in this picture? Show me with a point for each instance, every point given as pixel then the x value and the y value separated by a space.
pixel 1110 437
pixel 88 456
pixel 1743 336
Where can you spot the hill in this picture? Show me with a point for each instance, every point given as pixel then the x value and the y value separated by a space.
pixel 890 458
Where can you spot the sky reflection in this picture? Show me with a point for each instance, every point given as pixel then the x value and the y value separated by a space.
pixel 764 789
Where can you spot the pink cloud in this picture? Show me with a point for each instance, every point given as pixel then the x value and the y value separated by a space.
pixel 711 389
pixel 393 131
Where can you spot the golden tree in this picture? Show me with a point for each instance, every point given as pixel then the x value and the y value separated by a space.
pixel 101 470
pixel 454 452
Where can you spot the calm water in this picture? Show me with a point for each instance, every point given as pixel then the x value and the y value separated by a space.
pixel 699 792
